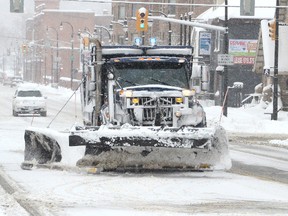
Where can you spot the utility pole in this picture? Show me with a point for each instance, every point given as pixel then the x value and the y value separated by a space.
pixel 225 72
pixel 169 23
pixel 181 31
pixel 275 77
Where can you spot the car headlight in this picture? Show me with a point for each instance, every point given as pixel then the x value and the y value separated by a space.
pixel 42 103
pixel 18 103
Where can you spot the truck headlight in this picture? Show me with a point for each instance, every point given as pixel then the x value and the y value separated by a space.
pixel 135 100
pixel 178 114
pixel 188 93
pixel 126 93
pixel 179 100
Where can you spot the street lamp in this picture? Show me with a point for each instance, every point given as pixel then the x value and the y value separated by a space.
pixel 106 29
pixel 169 23
pixel 124 26
pixel 85 31
pixel 72 48
pixel 57 55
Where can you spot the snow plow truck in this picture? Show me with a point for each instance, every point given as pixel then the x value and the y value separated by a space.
pixel 139 112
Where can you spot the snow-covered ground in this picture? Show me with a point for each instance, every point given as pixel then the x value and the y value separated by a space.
pixel 251 121
pixel 73 192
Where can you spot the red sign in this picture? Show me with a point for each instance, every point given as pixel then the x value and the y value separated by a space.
pixel 243 60
pixel 244 51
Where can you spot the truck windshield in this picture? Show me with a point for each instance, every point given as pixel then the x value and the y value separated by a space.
pixel 144 73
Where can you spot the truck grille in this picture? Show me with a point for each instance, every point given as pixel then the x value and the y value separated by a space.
pixel 153 108
pixel 162 101
pixel 149 114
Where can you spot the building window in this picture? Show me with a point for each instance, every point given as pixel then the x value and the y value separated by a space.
pixel 162 7
pixel 121 12
pixel 134 10
pixel 120 39
pixel 172 8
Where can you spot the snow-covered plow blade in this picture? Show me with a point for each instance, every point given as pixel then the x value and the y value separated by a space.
pixel 112 148
pixel 45 146
pixel 41 148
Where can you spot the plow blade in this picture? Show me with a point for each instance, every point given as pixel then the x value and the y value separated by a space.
pixel 41 148
pixel 134 136
pixel 49 147
pixel 129 148
pixel 153 148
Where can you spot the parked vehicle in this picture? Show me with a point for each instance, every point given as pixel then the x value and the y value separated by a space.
pixel 12 81
pixel 2 76
pixel 15 80
pixel 7 80
pixel 29 101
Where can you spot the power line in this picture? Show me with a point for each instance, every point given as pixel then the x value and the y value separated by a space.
pixel 172 4
pixel 152 3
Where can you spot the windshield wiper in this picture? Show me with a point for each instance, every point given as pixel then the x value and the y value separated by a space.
pixel 127 81
pixel 159 81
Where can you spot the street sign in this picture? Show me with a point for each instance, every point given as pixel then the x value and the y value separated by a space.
pixel 137 41
pixel 225 59
pixel 204 43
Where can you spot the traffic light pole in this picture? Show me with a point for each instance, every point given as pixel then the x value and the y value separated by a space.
pixel 275 78
pixel 143 38
pixel 225 73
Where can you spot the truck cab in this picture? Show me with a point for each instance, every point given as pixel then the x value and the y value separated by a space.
pixel 146 86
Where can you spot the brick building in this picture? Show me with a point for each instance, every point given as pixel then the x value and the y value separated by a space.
pixel 52 54
pixel 49 50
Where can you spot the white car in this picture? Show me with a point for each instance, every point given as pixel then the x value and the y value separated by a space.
pixel 29 101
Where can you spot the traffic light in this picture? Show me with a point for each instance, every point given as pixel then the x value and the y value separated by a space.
pixel 142 19
pixel 24 48
pixel 16 6
pixel 272 29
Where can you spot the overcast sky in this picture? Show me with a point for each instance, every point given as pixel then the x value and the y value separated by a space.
pixel 12 24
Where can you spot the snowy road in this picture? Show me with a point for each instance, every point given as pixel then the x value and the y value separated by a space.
pixel 259 160
pixel 74 192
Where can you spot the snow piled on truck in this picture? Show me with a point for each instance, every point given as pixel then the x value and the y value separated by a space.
pixel 165 152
